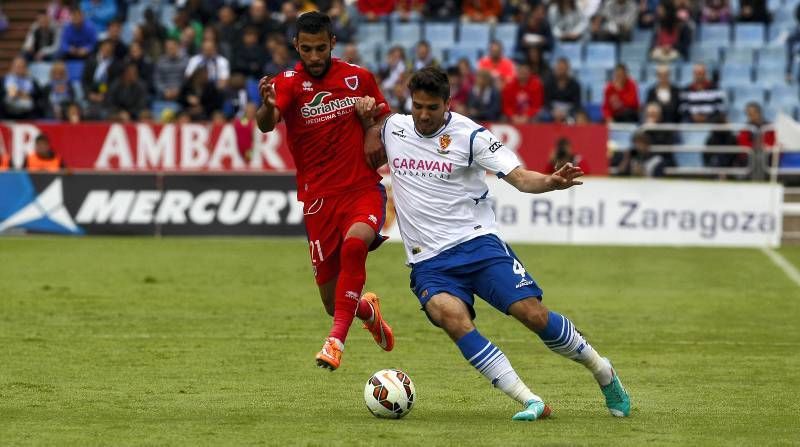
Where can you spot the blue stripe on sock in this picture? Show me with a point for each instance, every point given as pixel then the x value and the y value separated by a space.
pixel 472 344
pixel 555 330
pixel 489 354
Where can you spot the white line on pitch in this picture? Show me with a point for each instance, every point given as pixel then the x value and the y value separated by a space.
pixel 787 267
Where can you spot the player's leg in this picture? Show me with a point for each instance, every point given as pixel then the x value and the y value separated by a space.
pixel 327 292
pixel 453 316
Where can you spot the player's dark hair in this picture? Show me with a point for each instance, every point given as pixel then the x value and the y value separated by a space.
pixel 314 23
pixel 431 80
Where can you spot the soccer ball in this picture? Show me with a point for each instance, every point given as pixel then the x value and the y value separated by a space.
pixel 389 393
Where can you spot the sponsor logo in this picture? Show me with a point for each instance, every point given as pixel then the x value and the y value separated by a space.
pixel 352 295
pixel 425 293
pixel 444 141
pixel 399 132
pixel 416 251
pixel 373 219
pixel 351 82
pixel 422 168
pixel 495 146
pixel 318 108
pixel 523 283
pixel 307 86
pixel 44 213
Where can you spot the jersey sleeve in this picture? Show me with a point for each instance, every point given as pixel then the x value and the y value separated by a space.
pixel 283 91
pixel 488 152
pixel 383 128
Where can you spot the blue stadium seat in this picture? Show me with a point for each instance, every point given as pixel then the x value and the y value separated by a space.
pixel 734 76
pixel 253 95
pixel 786 103
pixel 718 33
pixel 772 57
pixel 459 51
pixel 691 159
pixel 594 110
pixel 643 88
pixel 594 91
pixel 78 88
pixel 642 35
pixel 573 52
pixel 739 55
pixel 737 115
pixel 440 33
pixel 768 76
pixel 158 107
pixel 747 93
pixel 774 5
pixel 592 75
pixel 372 32
pixel 635 70
pixel 40 71
pixel 749 35
pixel 74 70
pixel 369 52
pixel 649 74
pixel 136 12
pixel 778 28
pixel 781 90
pixel 685 75
pixel 620 138
pixel 477 35
pixel 705 52
pixel 507 33
pixel 406 34
pixel 600 55
pixel 633 52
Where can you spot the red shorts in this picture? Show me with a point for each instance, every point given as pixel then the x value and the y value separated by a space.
pixel 328 219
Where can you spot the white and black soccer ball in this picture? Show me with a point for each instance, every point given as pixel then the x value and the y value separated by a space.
pixel 389 393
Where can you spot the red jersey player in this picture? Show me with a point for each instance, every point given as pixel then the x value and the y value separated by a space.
pixel 343 200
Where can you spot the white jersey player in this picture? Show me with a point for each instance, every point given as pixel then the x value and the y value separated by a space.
pixel 438 162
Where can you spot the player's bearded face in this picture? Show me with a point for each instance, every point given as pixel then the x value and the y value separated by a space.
pixel 315 52
pixel 428 111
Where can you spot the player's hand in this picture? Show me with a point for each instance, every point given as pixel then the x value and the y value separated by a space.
pixel 564 177
pixel 267 91
pixel 374 152
pixel 367 108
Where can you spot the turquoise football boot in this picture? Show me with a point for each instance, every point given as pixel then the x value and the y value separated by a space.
pixel 534 409
pixel 617 399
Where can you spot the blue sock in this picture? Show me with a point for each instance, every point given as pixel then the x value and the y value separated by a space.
pixel 490 361
pixel 561 337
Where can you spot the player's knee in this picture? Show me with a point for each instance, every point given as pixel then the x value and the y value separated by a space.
pixel 451 315
pixel 531 312
pixel 353 251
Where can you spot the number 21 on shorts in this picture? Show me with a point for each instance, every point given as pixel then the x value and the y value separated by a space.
pixel 314 245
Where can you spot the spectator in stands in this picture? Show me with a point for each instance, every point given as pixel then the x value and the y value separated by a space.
pixel 620 17
pixel 373 10
pixel 343 26
pixel 248 56
pixel 647 13
pixel 481 10
pixel 146 67
pixel 74 113
pixel 598 29
pixel 621 98
pixel 235 97
pixel 665 94
pixel 78 37
pixel 169 70
pixel 407 10
pixel 258 17
pixel 791 45
pixel 114 34
pixel 392 70
pixel 562 91
pixel 563 154
pixel 523 97
pixel 229 31
pixel 128 95
pixel 441 10
pixel 467 73
pixel 639 161
pixel 688 11
pixel 538 63
pixel 754 11
pixel 755 118
pixel 568 22
pixel 57 93
pixel 720 137
pixel 288 27
pixel 99 12
pixel 701 101
pixel 99 73
pixel 153 34
pixel 199 10
pixel 423 57
pixel 59 12
pixel 716 11
pixel 497 64
pixel 199 96
pixel 398 96
pixel 535 30
pixel 660 137
pixel 351 55
pixel 672 37
pixel 188 32
pixel 43 158
pixel 20 92
pixel 281 61
pixel 459 92
pixel 217 67
pixel 42 41
pixel 484 99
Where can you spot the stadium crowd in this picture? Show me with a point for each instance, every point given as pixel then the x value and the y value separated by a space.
pixel 517 61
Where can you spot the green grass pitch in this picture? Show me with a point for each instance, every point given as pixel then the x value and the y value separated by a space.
pixel 183 341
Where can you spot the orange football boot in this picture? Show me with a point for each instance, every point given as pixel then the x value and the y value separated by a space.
pixel 379 328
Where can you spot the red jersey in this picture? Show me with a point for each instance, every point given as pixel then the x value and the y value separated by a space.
pixel 324 133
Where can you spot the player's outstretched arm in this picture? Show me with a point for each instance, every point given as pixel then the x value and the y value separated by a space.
pixel 374 151
pixel 267 115
pixel 536 182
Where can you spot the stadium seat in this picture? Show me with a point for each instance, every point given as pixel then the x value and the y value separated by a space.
pixel 642 35
pixel 747 93
pixel 786 103
pixel 74 70
pixel 440 33
pixel 620 138
pixel 685 75
pixel 694 138
pixel 136 12
pixel 592 75
pixel 40 71
pixel 477 35
pixel 159 106
pixel 715 32
pixel 634 52
pixel 691 159
pixel 600 55
pixel 78 88
pixel 705 52
pixel 573 52
pixel 739 55
pixel 767 77
pixel 774 5
pixel 167 14
pixel 649 74
pixel 406 34
pixel 253 94
pixel 772 57
pixel 736 115
pixel 460 51
pixel 372 32
pixel 369 52
pixel 594 91
pixel 780 90
pixel 643 88
pixel 749 35
pixel 635 70
pixel 733 76
pixel 507 33
pixel 594 110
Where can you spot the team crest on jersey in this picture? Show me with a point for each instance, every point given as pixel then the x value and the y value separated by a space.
pixel 351 82
pixel 444 141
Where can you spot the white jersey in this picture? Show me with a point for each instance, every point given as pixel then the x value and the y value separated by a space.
pixel 438 182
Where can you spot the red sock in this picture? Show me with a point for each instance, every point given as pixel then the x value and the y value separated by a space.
pixel 352 275
pixel 364 311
